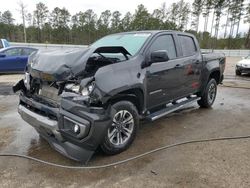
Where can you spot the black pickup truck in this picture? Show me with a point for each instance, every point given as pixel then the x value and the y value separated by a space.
pixel 79 100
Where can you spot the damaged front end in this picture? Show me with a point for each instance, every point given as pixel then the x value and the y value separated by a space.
pixel 64 118
pixel 60 99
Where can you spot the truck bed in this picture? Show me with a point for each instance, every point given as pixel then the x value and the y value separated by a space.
pixel 212 56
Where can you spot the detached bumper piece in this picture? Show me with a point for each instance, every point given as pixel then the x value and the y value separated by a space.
pixel 73 132
pixel 19 86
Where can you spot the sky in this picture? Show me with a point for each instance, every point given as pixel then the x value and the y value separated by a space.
pixel 75 6
pixel 98 6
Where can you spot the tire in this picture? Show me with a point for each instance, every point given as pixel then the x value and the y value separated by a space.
pixel 208 97
pixel 123 111
pixel 237 72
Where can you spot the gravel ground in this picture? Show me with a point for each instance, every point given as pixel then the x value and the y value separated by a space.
pixel 213 164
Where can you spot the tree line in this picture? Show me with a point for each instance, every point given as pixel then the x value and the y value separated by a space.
pixel 84 27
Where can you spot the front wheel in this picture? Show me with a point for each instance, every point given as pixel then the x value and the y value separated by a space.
pixel 208 97
pixel 123 129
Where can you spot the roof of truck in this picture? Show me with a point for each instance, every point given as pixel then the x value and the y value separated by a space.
pixel 153 32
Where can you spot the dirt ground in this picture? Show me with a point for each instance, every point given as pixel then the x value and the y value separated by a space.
pixel 212 164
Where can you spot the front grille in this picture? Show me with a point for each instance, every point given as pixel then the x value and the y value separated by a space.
pixel 49 92
pixel 45 101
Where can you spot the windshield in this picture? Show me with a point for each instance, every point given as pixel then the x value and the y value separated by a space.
pixel 132 42
pixel 248 57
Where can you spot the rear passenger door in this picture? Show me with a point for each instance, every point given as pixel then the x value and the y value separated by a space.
pixel 191 62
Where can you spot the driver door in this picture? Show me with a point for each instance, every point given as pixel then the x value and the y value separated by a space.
pixel 163 78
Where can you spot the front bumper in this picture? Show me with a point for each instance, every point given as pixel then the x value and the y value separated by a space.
pixel 243 69
pixel 53 124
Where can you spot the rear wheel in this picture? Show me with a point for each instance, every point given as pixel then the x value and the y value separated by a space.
pixel 123 128
pixel 208 97
pixel 237 72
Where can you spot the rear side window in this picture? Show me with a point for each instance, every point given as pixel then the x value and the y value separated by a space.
pixel 164 42
pixel 188 46
pixel 27 51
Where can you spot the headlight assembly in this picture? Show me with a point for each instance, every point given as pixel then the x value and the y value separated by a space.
pixel 73 87
pixel 88 89
pixel 91 86
pixel 85 91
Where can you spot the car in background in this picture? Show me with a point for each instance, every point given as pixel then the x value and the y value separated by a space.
pixel 243 66
pixel 4 43
pixel 14 59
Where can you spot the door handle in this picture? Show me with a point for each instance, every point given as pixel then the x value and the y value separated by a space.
pixel 178 66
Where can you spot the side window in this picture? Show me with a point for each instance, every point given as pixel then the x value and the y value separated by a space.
pixel 188 46
pixel 165 42
pixel 13 52
pixel 1 44
pixel 27 51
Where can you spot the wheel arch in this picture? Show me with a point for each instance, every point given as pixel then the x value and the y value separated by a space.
pixel 134 96
pixel 216 75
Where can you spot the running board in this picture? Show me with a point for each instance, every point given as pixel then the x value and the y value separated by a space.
pixel 172 108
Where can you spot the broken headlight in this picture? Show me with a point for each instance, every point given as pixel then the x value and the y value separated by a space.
pixel 88 89
pixel 85 91
pixel 73 87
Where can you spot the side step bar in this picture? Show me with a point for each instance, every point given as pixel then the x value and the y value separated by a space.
pixel 171 108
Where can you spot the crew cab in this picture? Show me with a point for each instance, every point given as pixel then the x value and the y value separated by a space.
pixel 95 97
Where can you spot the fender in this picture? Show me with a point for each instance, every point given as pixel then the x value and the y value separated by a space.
pixel 209 68
pixel 117 78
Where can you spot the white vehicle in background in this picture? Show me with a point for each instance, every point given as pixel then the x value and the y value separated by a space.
pixel 243 66
pixel 4 43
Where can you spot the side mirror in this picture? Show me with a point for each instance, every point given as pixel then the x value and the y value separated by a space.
pixel 2 55
pixel 159 56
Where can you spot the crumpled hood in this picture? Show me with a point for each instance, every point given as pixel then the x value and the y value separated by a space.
pixel 60 64
pixel 63 64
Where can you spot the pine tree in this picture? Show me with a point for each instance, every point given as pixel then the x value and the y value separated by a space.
pixel 240 10
pixel 208 5
pixel 219 5
pixel 40 17
pixel 23 12
pixel 103 23
pixel 8 20
pixel 126 22
pixel 115 22
pixel 140 18
pixel 228 6
pixel 197 10
pixel 247 20
pixel 179 14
